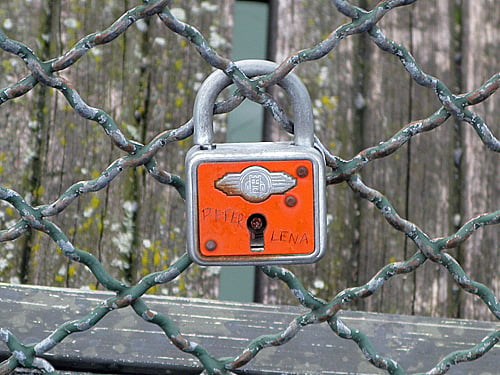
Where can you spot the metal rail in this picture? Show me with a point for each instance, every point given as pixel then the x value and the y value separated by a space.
pixel 137 154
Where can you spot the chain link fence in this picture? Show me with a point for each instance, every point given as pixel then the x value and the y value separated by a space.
pixel 340 171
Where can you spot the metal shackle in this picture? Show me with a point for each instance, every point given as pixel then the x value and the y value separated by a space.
pixel 218 81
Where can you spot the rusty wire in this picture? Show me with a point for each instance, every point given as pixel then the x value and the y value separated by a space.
pixel 137 154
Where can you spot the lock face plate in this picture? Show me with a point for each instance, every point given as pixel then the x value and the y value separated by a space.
pixel 255 204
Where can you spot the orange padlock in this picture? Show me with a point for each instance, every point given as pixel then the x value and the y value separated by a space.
pixel 255 203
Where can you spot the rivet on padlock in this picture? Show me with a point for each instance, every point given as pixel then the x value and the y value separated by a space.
pixel 210 245
pixel 255 203
pixel 290 200
pixel 302 171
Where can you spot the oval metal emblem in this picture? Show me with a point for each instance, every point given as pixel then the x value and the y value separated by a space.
pixel 255 184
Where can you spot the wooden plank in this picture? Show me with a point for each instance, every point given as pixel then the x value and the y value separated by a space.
pixel 124 343
pixel 386 89
pixel 432 174
pixel 480 166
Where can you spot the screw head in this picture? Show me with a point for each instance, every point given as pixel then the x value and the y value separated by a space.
pixel 210 245
pixel 290 200
pixel 302 171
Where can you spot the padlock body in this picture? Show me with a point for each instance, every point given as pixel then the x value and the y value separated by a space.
pixel 255 204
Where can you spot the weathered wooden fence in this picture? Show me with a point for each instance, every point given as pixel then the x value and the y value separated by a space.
pixel 146 81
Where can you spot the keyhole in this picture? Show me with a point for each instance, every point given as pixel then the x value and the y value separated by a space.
pixel 256 225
